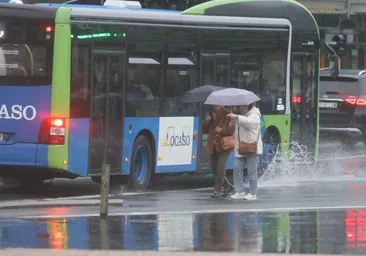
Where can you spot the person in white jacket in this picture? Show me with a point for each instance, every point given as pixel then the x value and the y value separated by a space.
pixel 248 124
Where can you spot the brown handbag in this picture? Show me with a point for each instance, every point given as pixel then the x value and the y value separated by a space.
pixel 227 142
pixel 248 148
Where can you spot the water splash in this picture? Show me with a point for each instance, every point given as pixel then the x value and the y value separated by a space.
pixel 299 167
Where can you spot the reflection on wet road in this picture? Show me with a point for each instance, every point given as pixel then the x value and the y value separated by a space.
pixel 300 210
pixel 327 232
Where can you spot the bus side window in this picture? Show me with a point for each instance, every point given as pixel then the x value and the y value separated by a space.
pixel 80 87
pixel 245 70
pixel 181 77
pixel 143 91
pixel 263 70
pixel 273 82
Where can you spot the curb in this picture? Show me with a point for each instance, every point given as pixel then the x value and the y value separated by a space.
pixel 52 203
pixel 49 252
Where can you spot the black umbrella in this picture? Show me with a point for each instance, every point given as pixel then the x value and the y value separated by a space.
pixel 201 93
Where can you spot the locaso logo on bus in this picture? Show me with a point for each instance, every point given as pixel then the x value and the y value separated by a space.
pixel 18 112
pixel 180 140
pixel 177 139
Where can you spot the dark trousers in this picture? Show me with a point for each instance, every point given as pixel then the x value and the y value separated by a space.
pixel 218 164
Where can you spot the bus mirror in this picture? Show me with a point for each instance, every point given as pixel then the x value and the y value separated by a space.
pixel 334 65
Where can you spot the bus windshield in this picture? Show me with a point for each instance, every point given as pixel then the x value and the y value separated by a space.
pixel 25 53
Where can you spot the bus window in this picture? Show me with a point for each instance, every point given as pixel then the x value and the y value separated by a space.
pixel 181 77
pixel 273 82
pixel 245 71
pixel 208 68
pixel 261 68
pixel 22 60
pixel 80 86
pixel 215 69
pixel 143 91
pixel 25 53
pixel 222 70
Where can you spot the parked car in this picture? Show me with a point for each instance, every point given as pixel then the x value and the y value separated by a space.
pixel 342 106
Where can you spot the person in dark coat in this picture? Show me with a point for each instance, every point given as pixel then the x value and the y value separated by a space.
pixel 218 125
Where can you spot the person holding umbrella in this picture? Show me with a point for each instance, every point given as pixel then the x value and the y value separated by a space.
pixel 220 140
pixel 248 141
pixel 248 147
pixel 219 128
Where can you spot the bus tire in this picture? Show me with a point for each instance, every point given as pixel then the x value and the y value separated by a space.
pixel 141 164
pixel 271 152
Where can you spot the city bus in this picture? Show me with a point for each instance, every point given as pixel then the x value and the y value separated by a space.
pixel 83 86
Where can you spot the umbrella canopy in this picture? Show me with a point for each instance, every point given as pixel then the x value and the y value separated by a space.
pixel 201 93
pixel 231 97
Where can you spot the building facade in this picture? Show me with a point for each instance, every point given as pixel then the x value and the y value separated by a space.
pixel 342 17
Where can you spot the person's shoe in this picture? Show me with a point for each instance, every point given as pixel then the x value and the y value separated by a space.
pixel 250 197
pixel 227 191
pixel 238 195
pixel 215 195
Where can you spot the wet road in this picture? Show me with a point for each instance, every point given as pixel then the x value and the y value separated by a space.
pixel 335 161
pixel 84 187
pixel 285 194
pixel 321 231
pixel 321 210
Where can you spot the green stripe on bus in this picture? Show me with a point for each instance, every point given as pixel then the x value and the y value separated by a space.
pixel 200 9
pixel 60 99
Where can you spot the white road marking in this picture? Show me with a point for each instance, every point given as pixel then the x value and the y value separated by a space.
pixel 110 195
pixel 306 208
pixel 25 203
pixel 80 200
pixel 125 194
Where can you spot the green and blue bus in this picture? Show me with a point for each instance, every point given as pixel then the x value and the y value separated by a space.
pixel 83 86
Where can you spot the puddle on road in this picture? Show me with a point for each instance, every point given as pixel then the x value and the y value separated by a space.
pixel 326 232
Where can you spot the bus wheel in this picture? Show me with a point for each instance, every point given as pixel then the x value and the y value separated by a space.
pixel 271 153
pixel 141 164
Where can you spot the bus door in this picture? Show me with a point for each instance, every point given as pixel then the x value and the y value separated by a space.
pixel 304 105
pixel 107 110
pixel 214 71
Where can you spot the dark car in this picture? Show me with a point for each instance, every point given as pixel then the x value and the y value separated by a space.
pixel 342 106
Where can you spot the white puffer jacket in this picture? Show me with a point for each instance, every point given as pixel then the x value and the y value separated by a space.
pixel 249 126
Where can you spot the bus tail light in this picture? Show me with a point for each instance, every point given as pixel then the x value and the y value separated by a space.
pixel 52 131
pixel 48 29
pixel 296 99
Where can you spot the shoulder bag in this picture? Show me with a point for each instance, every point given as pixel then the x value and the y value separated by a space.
pixel 248 148
pixel 227 142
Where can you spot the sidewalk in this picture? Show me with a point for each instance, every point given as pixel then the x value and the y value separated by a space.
pixel 37 252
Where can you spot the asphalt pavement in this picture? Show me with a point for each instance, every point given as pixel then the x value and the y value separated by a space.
pixel 307 217
pixel 318 210
pixel 334 161
pixel 341 192
pixel 17 252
